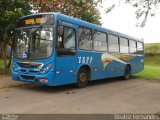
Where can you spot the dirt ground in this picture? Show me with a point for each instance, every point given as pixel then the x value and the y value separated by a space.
pixel 104 96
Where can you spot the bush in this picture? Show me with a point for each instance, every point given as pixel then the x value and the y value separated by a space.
pixel 152 49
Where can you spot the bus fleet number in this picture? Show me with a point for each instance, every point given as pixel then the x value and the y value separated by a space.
pixel 85 60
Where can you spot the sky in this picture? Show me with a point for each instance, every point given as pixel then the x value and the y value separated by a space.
pixel 122 19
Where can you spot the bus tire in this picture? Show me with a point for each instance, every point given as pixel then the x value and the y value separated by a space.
pixel 127 73
pixel 82 77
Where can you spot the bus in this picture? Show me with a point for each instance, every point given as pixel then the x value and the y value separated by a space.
pixel 54 49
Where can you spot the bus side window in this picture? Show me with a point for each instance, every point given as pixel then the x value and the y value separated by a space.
pixel 124 48
pixel 66 38
pixel 100 41
pixel 132 47
pixel 69 38
pixel 140 48
pixel 113 43
pixel 85 38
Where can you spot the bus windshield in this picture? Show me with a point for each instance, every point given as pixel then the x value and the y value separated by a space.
pixel 33 43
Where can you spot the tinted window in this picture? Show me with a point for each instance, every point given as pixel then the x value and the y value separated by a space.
pixel 113 43
pixel 124 45
pixel 85 38
pixel 100 43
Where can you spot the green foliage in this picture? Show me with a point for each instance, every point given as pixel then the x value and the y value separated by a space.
pixel 92 17
pixel 1 64
pixel 152 49
pixel 11 10
pixel 85 10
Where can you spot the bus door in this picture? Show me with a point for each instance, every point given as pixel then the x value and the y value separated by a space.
pixel 66 54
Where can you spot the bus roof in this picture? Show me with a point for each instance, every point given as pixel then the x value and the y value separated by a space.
pixel 86 24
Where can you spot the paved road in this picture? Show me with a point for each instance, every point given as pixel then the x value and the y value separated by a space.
pixel 106 96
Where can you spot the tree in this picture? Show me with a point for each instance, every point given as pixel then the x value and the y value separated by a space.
pixel 11 10
pixel 152 49
pixel 144 9
pixel 83 9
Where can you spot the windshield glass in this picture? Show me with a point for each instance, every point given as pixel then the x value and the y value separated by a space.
pixel 34 43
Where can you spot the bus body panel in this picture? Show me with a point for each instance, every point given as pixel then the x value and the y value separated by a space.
pixel 137 64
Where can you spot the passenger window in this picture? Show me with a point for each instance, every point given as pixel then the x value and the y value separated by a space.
pixel 140 48
pixel 66 38
pixel 100 43
pixel 85 38
pixel 139 45
pixel 113 43
pixel 124 45
pixel 132 46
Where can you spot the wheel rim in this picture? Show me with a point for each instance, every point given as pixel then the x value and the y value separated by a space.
pixel 82 77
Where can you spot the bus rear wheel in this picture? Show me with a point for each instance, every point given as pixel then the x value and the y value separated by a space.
pixel 82 78
pixel 127 72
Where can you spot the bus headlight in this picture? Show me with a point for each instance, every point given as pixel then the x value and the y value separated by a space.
pixel 15 68
pixel 46 68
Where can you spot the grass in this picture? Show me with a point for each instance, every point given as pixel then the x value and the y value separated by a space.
pixel 151 68
pixel 152 63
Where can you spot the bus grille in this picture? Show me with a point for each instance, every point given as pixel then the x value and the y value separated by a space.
pixel 29 64
pixel 30 71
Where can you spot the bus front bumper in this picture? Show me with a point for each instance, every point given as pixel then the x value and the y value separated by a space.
pixel 44 79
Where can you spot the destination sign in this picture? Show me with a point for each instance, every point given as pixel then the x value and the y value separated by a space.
pixel 36 20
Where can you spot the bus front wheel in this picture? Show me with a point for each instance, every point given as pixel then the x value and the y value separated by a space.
pixel 127 72
pixel 82 78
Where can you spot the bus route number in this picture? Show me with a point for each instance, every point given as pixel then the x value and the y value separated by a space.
pixel 85 60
